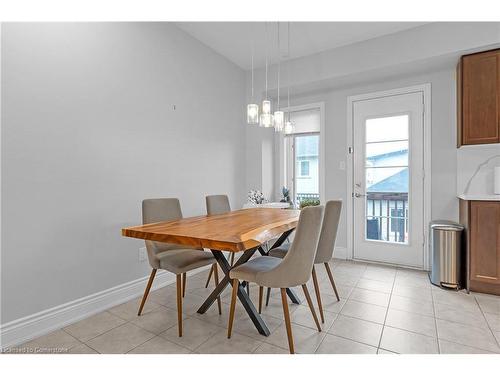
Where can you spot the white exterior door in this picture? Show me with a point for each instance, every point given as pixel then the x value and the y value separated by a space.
pixel 388 179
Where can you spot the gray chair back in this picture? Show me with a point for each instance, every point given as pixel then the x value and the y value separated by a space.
pixel 217 204
pixel 296 267
pixel 326 243
pixel 156 210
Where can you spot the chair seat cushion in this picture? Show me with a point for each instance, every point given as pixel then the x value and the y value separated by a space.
pixel 249 271
pixel 183 260
pixel 280 252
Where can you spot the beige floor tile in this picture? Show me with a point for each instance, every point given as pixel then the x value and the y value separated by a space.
pixel 357 330
pixel 447 347
pixel 166 296
pixel 55 342
pixel 275 308
pixel 220 344
pixel 383 351
pixel 93 326
pixel 370 296
pixel 411 292
pixel 158 320
pixel 489 304
pixel 412 281
pixel 82 349
pixel 422 324
pixel 382 276
pixel 158 345
pixel 467 335
pixel 422 307
pixel 459 315
pixel 405 342
pixel 192 302
pixel 493 321
pixel 128 310
pixel 120 340
pixel 459 300
pixel 306 340
pixel 245 326
pixel 339 345
pixel 266 348
pixel 212 315
pixel 302 315
pixel 343 279
pixel 195 332
pixel 325 287
pixel 365 311
pixel 330 302
pixel 377 286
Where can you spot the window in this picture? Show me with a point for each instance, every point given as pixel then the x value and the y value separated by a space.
pixel 304 168
pixel 301 164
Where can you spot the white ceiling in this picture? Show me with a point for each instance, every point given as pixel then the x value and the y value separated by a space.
pixel 234 39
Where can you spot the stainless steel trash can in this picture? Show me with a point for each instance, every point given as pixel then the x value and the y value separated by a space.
pixel 446 250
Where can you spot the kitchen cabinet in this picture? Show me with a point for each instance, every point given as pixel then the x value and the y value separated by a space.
pixel 482 237
pixel 478 93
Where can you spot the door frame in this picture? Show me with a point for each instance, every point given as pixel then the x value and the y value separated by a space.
pixel 425 89
pixel 281 152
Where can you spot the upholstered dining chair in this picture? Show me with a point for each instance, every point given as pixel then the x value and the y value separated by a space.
pixel 217 204
pixel 174 258
pixel 326 245
pixel 293 270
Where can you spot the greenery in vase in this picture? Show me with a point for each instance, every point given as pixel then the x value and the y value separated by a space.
pixel 286 195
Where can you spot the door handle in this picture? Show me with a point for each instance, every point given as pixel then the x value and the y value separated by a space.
pixel 357 195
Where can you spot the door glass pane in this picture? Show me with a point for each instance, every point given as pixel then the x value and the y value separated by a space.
pixel 387 128
pixel 387 179
pixel 306 167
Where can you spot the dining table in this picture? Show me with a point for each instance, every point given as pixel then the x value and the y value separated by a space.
pixel 244 231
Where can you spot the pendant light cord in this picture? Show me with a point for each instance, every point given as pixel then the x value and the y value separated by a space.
pixel 266 41
pixel 279 65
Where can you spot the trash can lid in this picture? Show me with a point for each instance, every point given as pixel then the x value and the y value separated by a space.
pixel 446 225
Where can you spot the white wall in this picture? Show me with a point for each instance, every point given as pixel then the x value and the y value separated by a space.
pixel 89 129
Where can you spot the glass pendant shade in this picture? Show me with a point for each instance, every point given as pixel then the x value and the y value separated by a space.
pixel 266 107
pixel 279 121
pixel 288 127
pixel 252 114
pixel 266 120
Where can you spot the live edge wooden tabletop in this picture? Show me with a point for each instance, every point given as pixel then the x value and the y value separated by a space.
pixel 232 231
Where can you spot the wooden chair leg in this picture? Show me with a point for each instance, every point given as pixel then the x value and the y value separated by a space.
pixel 318 295
pixel 330 276
pixel 184 277
pixel 179 304
pixel 216 281
pixel 261 292
pixel 267 296
pixel 232 307
pixel 209 275
pixel 146 292
pixel 288 324
pixel 232 258
pixel 311 306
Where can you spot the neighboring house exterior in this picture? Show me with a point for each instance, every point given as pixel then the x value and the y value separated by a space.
pixel 307 166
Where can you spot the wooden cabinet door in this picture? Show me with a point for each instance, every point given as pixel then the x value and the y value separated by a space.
pixel 484 246
pixel 480 98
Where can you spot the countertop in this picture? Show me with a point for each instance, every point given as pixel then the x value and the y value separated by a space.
pixel 479 197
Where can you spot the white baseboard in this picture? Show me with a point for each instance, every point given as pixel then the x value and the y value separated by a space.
pixel 340 253
pixel 38 324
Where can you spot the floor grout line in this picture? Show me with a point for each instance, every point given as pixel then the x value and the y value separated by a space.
pixel 386 313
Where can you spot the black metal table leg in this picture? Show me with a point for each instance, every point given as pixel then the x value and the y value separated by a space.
pixel 242 295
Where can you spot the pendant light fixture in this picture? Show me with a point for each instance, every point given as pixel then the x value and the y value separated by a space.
pixel 266 118
pixel 288 127
pixel 279 116
pixel 252 109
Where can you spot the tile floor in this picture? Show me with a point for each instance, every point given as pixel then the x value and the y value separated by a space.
pixel 383 310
